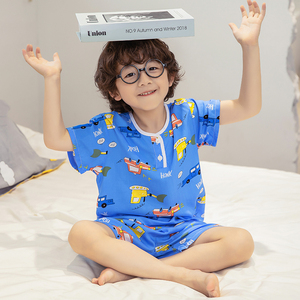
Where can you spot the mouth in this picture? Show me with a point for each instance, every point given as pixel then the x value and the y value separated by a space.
pixel 147 93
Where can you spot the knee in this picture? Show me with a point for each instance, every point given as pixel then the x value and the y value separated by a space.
pixel 75 235
pixel 245 244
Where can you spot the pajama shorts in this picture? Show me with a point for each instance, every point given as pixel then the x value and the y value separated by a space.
pixel 160 241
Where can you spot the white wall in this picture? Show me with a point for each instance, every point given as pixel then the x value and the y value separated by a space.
pixel 18 25
pixel 211 60
pixel 296 53
pixel 296 44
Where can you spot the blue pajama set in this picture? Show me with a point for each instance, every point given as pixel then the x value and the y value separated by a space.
pixel 150 185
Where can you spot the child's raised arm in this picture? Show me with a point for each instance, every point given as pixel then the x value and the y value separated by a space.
pixel 56 135
pixel 250 99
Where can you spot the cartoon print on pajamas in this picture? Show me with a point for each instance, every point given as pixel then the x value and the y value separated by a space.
pixel 132 133
pixel 109 121
pixel 205 120
pixel 160 212
pixel 141 198
pixel 168 133
pixel 103 202
pixel 98 152
pixel 108 118
pixel 162 248
pixel 138 230
pixel 201 200
pixel 165 247
pixel 138 222
pixel 175 122
pixel 192 106
pixel 181 145
pixel 123 235
pixel 136 167
pixel 154 139
pixel 139 192
pixel 99 169
pixel 193 173
pixel 179 101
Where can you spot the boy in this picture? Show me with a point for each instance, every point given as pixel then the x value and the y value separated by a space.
pixel 144 153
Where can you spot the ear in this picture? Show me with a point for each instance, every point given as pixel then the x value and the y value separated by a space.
pixel 116 95
pixel 171 81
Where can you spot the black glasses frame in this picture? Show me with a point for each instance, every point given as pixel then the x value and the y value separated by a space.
pixel 142 69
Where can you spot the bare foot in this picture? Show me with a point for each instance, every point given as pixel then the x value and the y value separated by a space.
pixel 212 285
pixel 205 283
pixel 109 275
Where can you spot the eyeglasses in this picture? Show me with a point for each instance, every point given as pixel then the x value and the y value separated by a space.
pixel 130 74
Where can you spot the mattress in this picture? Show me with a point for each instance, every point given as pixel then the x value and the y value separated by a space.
pixel 36 261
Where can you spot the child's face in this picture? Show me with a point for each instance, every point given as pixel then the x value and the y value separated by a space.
pixel 146 93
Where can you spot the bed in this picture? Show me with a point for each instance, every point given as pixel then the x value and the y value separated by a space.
pixel 36 261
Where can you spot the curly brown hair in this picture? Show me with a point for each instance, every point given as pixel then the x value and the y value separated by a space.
pixel 127 52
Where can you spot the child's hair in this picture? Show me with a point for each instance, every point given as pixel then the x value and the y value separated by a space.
pixel 125 53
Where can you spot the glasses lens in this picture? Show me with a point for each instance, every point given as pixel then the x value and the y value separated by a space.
pixel 154 68
pixel 130 74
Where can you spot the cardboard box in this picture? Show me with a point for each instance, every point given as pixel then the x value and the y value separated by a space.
pixel 134 25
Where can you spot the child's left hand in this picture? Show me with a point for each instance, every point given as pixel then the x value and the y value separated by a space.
pixel 249 31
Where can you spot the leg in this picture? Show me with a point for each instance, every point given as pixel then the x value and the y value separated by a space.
pixel 215 249
pixel 97 242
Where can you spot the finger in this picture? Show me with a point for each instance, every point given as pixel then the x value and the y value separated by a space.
pixel 38 52
pixel 29 50
pixel 263 11
pixel 233 27
pixel 256 9
pixel 25 55
pixel 55 56
pixel 244 11
pixel 250 5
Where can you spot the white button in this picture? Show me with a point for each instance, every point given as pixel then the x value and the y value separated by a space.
pixel 160 158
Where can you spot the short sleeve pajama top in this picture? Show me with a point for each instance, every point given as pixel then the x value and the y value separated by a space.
pixel 150 185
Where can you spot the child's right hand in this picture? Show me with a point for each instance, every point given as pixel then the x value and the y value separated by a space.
pixel 41 65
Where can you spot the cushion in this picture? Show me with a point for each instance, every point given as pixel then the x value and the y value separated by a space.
pixel 18 161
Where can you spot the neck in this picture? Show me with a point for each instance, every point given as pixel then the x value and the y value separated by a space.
pixel 149 121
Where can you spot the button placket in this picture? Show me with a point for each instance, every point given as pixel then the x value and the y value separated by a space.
pixel 159 148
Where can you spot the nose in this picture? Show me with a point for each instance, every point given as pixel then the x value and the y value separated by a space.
pixel 144 78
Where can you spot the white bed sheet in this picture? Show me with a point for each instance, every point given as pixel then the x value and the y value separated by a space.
pixel 36 261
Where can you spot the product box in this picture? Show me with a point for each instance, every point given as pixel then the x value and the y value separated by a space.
pixel 134 25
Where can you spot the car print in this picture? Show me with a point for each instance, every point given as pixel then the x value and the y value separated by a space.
pixel 123 235
pixel 192 106
pixel 109 121
pixel 103 202
pixel 166 212
pixel 162 248
pixel 193 173
pixel 130 132
pixel 84 126
pixel 209 121
pixel 180 147
pixel 175 122
pixel 136 167
pixel 179 101
pixel 139 193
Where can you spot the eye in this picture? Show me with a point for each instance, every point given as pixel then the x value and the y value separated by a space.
pixel 153 68
pixel 129 75
pixel 129 72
